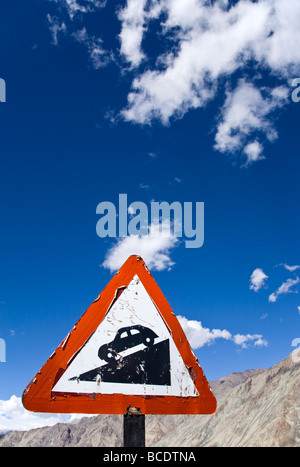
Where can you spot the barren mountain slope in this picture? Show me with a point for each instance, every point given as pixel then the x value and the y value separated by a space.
pixel 262 411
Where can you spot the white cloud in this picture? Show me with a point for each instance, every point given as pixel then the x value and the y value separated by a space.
pixel 260 342
pixel 13 416
pixel 155 248
pixel 253 152
pixel 264 316
pixel 245 112
pixel 132 18
pixel 210 41
pixel 56 27
pixel 272 298
pixel 99 57
pixel 284 289
pixel 278 51
pixel 244 340
pixel 257 279
pixel 81 6
pixel 291 268
pixel 199 336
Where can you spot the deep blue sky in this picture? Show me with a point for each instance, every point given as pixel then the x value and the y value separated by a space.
pixel 60 157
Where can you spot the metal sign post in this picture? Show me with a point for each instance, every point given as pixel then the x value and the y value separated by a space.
pixel 134 428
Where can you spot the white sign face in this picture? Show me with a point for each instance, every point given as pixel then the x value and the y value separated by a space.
pixel 131 352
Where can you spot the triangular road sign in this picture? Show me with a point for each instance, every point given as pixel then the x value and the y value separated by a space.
pixel 127 350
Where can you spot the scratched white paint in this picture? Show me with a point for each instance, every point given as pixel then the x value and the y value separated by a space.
pixel 133 307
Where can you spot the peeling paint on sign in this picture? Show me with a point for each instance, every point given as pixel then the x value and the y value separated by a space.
pixel 131 352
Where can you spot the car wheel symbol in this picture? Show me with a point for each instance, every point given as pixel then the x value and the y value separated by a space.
pixel 149 341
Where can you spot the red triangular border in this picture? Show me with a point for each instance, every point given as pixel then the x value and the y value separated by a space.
pixel 37 396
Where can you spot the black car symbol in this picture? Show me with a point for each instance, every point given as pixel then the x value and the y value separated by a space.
pixel 126 338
